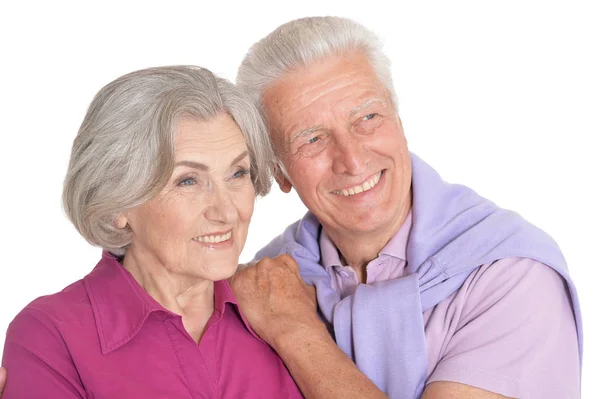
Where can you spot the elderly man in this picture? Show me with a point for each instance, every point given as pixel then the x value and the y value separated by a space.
pixel 432 291
pixel 423 289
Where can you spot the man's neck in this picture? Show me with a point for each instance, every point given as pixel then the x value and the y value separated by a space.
pixel 357 250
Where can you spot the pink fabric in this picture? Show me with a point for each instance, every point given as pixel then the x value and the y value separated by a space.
pixel 105 337
pixel 509 329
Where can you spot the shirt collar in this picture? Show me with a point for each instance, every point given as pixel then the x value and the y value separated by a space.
pixel 121 306
pixel 223 295
pixel 395 247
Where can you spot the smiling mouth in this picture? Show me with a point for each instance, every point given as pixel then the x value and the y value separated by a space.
pixel 361 188
pixel 214 239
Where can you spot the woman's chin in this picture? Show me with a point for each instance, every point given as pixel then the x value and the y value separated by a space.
pixel 220 271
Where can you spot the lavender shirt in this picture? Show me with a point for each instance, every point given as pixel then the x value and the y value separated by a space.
pixel 493 333
pixel 105 337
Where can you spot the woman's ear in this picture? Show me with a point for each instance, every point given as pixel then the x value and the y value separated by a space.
pixel 120 221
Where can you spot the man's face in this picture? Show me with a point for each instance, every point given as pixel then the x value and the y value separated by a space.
pixel 342 145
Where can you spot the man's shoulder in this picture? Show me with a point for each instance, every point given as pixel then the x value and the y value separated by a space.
pixel 507 291
pixel 299 239
pixel 512 279
pixel 510 320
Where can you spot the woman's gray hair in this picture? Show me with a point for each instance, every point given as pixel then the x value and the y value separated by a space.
pixel 297 43
pixel 123 154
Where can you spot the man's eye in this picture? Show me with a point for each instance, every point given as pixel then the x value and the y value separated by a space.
pixel 369 117
pixel 313 140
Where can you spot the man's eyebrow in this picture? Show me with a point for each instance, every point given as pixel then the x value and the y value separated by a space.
pixel 353 111
pixel 204 168
pixel 364 105
pixel 305 132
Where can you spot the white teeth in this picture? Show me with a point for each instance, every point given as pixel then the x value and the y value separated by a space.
pixel 366 186
pixel 214 238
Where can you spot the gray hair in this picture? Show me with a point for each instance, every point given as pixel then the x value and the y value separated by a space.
pixel 297 43
pixel 123 154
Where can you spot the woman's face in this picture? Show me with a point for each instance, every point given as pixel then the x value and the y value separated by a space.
pixel 197 225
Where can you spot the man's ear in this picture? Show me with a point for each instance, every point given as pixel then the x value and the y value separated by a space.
pixel 284 184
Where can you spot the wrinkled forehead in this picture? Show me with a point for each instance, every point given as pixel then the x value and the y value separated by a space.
pixel 337 88
pixel 218 139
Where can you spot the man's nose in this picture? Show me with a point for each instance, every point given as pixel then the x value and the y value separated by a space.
pixel 350 155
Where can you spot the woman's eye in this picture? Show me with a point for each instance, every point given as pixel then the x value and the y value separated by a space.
pixel 188 181
pixel 241 173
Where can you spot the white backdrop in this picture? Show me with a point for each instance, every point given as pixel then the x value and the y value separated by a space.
pixel 501 96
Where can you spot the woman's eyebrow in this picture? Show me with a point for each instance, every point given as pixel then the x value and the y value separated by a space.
pixel 193 164
pixel 239 157
pixel 202 167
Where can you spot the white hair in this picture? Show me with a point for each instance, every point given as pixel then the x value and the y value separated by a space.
pixel 297 43
pixel 123 154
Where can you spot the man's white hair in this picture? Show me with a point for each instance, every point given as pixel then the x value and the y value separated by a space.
pixel 297 43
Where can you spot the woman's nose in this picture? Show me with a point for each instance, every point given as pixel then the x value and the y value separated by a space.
pixel 221 208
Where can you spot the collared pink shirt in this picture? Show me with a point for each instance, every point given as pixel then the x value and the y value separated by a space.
pixel 105 337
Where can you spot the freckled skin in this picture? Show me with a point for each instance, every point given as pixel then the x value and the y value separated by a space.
pixel 345 150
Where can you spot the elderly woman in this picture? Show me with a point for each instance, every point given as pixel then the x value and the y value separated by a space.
pixel 163 175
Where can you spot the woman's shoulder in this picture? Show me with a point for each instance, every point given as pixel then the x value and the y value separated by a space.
pixel 71 302
pixel 41 339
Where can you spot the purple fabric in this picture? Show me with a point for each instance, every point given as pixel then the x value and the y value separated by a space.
pixel 508 329
pixel 454 232
pixel 105 337
pixel 390 263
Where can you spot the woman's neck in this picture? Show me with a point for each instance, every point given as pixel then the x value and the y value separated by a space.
pixel 190 297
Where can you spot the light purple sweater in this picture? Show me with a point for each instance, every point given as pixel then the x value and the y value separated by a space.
pixel 454 231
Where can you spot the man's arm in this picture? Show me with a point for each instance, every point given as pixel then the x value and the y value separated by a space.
pixel 320 368
pixel 281 309
pixel 454 390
